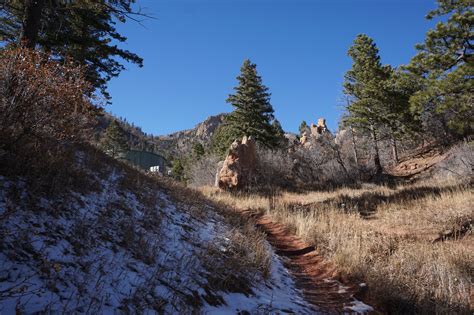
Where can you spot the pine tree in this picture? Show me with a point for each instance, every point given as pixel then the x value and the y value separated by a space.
pixel 278 128
pixel 445 64
pixel 177 170
pixel 115 142
pixel 82 30
pixel 398 118
pixel 31 21
pixel 253 113
pixel 303 127
pixel 280 133
pixel 222 139
pixel 364 84
pixel 198 150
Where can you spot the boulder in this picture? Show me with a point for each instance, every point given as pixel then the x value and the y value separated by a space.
pixel 239 166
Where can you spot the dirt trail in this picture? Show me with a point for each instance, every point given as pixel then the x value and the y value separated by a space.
pixel 420 161
pixel 315 277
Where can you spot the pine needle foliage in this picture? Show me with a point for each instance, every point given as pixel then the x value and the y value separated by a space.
pixel 253 114
pixel 83 30
pixel 445 66
pixel 303 126
pixel 115 142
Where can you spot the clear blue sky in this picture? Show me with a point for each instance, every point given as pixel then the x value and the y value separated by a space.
pixel 194 49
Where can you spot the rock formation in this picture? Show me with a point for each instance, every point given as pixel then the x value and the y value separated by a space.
pixel 179 144
pixel 304 138
pixel 320 128
pixel 313 132
pixel 239 166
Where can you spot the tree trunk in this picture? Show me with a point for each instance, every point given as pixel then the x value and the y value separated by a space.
pixel 378 165
pixel 354 147
pixel 341 162
pixel 31 22
pixel 394 149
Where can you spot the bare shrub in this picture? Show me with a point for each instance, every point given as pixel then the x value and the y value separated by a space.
pixel 321 164
pixel 45 108
pixel 41 98
pixel 202 172
pixel 274 169
pixel 459 164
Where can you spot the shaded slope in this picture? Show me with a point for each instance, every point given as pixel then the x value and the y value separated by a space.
pixel 122 242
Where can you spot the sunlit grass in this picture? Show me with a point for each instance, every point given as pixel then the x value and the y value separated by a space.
pixel 392 249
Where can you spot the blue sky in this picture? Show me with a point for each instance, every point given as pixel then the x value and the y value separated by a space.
pixel 194 49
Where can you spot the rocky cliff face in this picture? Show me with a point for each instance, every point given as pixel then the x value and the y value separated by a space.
pixel 180 143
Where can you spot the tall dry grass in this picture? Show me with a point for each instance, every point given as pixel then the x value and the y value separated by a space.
pixel 388 238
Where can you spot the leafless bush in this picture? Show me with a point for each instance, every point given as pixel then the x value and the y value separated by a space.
pixel 202 172
pixel 45 108
pixel 41 98
pixel 459 164
pixel 355 152
pixel 320 164
pixel 274 169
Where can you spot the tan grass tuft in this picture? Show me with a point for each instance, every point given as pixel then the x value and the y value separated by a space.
pixel 392 248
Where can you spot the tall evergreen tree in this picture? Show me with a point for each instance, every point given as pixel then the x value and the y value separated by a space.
pixel 364 84
pixel 222 138
pixel 399 121
pixel 278 128
pixel 280 133
pixel 445 64
pixel 177 170
pixel 31 21
pixel 115 142
pixel 82 30
pixel 253 113
pixel 303 127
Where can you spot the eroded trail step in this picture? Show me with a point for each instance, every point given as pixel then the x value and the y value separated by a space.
pixel 317 279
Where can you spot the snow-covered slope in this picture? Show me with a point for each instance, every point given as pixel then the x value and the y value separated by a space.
pixel 119 246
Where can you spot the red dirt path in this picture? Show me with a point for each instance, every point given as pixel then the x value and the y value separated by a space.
pixel 318 280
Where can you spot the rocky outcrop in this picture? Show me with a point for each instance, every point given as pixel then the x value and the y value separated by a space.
pixel 206 129
pixel 179 144
pixel 314 131
pixel 239 167
pixel 304 138
pixel 175 145
pixel 320 128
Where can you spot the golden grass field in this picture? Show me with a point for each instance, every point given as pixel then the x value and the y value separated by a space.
pixel 412 244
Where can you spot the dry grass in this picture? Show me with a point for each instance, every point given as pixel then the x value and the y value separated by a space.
pixel 384 236
pixel 246 255
pixel 247 260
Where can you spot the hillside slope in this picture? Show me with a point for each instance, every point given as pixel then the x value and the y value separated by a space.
pixel 180 143
pixel 177 144
pixel 122 241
